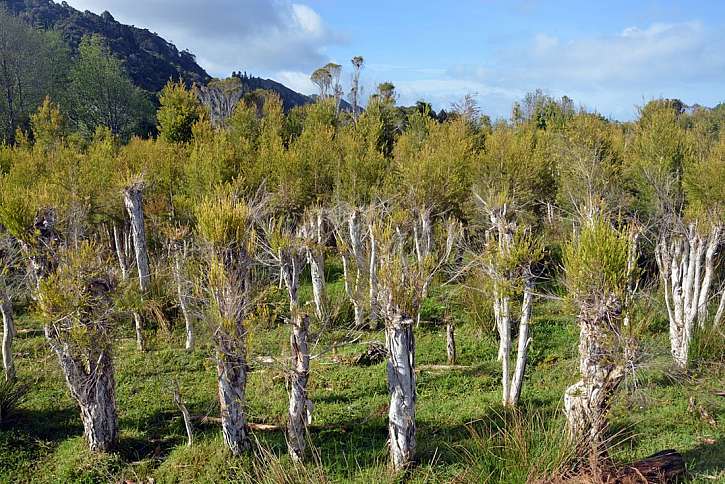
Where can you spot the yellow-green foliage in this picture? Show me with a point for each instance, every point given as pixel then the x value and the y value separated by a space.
pixel 224 220
pixel 77 296
pixel 517 164
pixel 595 262
pixel 47 124
pixel 656 157
pixel 508 264
pixel 704 184
pixel 433 163
pixel 589 156
pixel 180 110
pixel 362 167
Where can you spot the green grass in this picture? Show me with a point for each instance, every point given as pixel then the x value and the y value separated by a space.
pixel 464 435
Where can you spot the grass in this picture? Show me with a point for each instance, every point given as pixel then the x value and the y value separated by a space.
pixel 464 435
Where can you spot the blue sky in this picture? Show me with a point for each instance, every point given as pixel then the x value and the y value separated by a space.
pixel 608 56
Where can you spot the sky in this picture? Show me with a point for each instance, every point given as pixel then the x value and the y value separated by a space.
pixel 609 57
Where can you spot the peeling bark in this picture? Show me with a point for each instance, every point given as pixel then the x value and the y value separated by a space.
pixel 232 381
pixel 92 385
pixel 300 407
pixel 401 386
pixel 587 402
pixel 523 345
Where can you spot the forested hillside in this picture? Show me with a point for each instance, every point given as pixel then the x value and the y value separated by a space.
pixel 45 51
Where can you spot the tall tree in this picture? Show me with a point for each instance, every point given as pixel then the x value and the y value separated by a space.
pixel 33 65
pixel 101 94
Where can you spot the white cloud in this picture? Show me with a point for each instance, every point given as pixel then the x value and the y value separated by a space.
pixel 260 36
pixel 611 73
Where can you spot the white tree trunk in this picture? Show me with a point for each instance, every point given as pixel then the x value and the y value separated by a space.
pixel 232 381
pixel 133 199
pixel 6 309
pixel 317 272
pixel 119 242
pixel 450 343
pixel 316 258
pixel 523 345
pixel 300 407
pixel 505 347
pixel 92 385
pixel 686 266
pixel 587 402
pixel 703 300
pixel 374 304
pixel 720 310
pixel 401 386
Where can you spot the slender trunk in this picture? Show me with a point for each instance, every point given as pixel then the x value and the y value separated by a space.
pixel 185 414
pixel 317 273
pixel 401 386
pixel 523 345
pixel 720 310
pixel 119 243
pixel 6 309
pixel 374 308
pixel 300 407
pixel 133 200
pixel 451 343
pixel 134 205
pixel 704 296
pixel 505 348
pixel 232 380
pixel 183 302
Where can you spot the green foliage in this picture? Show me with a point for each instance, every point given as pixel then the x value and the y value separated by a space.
pixel 101 94
pixel 223 220
pixel 180 110
pixel 595 262
pixel 433 163
pixel 35 65
pixel 77 298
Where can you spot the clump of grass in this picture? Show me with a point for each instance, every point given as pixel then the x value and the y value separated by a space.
pixel 517 446
pixel 708 345
pixel 12 395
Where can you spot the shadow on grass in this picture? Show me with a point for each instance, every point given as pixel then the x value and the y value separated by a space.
pixel 706 458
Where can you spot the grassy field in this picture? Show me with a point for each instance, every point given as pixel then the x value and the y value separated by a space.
pixel 464 434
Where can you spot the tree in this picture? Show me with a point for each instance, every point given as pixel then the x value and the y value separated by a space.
pixel 33 65
pixel 598 273
pixel 507 259
pixel 402 278
pixel 286 250
pixel 180 109
pixel 226 226
pixel 101 94
pixel 355 90
pixel 133 200
pixel 11 275
pixel 77 300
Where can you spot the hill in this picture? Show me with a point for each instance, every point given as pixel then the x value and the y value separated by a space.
pixel 149 59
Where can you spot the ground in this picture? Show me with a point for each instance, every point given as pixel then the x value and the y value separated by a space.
pixel 464 434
